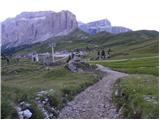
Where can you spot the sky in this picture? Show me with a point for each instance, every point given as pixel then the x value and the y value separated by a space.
pixel 134 14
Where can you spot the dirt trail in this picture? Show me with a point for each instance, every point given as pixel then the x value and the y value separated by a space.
pixel 96 101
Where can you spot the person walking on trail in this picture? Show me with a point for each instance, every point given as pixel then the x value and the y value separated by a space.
pixel 108 52
pixel 98 55
pixel 4 57
pixel 103 54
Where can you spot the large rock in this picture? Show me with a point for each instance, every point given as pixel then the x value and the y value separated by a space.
pixel 32 27
pixel 77 65
pixel 27 114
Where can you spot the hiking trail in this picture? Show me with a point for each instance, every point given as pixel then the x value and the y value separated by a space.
pixel 96 101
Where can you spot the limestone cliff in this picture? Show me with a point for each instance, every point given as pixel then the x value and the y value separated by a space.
pixel 102 25
pixel 32 27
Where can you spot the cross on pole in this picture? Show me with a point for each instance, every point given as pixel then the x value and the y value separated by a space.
pixel 52 46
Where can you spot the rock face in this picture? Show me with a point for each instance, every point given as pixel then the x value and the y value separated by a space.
pixel 119 29
pixel 32 27
pixel 101 25
pixel 96 26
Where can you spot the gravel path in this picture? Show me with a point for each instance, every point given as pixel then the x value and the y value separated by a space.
pixel 96 101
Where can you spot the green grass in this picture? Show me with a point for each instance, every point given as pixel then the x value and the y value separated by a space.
pixel 133 90
pixel 133 66
pixel 135 87
pixel 23 80
pixel 127 45
pixel 124 45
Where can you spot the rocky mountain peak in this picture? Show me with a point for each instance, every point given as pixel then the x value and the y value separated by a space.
pixel 32 27
pixel 101 25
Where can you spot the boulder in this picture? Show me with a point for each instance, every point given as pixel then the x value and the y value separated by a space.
pixel 25 114
pixel 79 66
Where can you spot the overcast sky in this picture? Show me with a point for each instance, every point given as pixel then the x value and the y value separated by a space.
pixel 134 14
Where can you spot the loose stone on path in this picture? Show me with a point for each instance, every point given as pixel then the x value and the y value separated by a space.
pixel 95 102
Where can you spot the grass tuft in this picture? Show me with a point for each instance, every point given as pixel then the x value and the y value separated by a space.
pixel 135 89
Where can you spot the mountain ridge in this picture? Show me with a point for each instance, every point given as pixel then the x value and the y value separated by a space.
pixel 32 27
pixel 101 25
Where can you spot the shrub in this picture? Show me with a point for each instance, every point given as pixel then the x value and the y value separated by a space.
pixel 36 113
pixel 7 110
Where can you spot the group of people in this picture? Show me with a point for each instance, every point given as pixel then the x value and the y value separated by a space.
pixel 102 54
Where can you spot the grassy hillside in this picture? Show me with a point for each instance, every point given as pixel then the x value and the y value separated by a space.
pixel 133 66
pixel 137 95
pixel 130 44
pixel 124 45
pixel 70 41
pixel 21 82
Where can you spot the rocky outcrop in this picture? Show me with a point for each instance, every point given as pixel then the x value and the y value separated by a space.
pixel 45 103
pixel 32 27
pixel 96 26
pixel 75 64
pixel 24 110
pixel 101 25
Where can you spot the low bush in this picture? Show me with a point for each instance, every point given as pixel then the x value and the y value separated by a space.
pixel 7 110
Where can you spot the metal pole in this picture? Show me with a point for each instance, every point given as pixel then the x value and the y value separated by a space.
pixel 53 53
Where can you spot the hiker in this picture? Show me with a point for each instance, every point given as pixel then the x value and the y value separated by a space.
pixel 7 60
pixel 4 57
pixel 87 48
pixel 103 54
pixel 18 60
pixel 108 52
pixel 34 59
pixel 98 55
